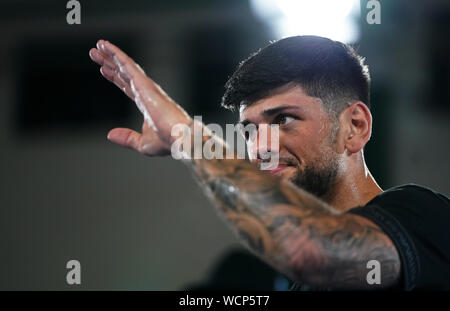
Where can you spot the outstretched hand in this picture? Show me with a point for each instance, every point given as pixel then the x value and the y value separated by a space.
pixel 160 112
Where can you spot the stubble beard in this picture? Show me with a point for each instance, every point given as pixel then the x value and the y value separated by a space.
pixel 319 178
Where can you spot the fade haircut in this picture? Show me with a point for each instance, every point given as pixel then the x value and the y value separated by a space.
pixel 329 70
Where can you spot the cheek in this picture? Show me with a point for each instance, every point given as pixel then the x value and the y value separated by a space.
pixel 304 142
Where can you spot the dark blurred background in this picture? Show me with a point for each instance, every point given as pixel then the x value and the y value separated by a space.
pixel 136 223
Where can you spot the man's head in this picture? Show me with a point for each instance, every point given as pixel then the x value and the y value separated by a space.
pixel 317 91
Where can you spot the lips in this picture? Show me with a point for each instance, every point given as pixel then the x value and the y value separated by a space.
pixel 279 168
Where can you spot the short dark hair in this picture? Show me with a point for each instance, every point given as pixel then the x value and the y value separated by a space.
pixel 326 69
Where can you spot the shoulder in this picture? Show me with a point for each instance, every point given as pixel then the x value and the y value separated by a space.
pixel 407 190
pixel 416 219
pixel 412 197
pixel 411 204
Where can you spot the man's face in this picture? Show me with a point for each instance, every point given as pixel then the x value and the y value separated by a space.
pixel 307 153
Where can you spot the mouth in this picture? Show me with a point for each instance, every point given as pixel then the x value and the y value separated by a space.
pixel 278 169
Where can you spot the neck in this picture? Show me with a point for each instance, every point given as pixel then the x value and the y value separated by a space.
pixel 355 186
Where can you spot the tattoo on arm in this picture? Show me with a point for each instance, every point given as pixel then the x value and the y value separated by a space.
pixel 292 230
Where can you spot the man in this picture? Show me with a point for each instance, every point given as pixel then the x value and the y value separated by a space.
pixel 319 217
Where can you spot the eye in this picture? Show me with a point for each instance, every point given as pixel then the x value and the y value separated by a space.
pixel 284 119
pixel 249 131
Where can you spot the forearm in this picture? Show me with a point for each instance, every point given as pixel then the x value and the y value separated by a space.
pixel 265 213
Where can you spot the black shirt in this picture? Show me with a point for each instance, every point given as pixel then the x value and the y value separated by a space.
pixel 417 219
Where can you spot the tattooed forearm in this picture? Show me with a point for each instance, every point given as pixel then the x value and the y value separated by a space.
pixel 292 230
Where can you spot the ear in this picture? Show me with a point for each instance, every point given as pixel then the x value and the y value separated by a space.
pixel 356 124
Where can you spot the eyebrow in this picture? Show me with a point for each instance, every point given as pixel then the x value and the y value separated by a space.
pixel 270 112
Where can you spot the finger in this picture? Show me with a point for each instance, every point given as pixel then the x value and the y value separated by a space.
pixel 125 137
pixel 142 86
pixel 101 59
pixel 126 65
pixel 148 143
pixel 104 60
pixel 112 76
pixel 115 76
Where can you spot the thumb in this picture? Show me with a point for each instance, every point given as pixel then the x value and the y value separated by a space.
pixel 125 137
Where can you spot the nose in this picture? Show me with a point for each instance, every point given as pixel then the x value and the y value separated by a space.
pixel 263 144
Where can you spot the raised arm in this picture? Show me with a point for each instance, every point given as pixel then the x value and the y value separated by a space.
pixel 292 230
